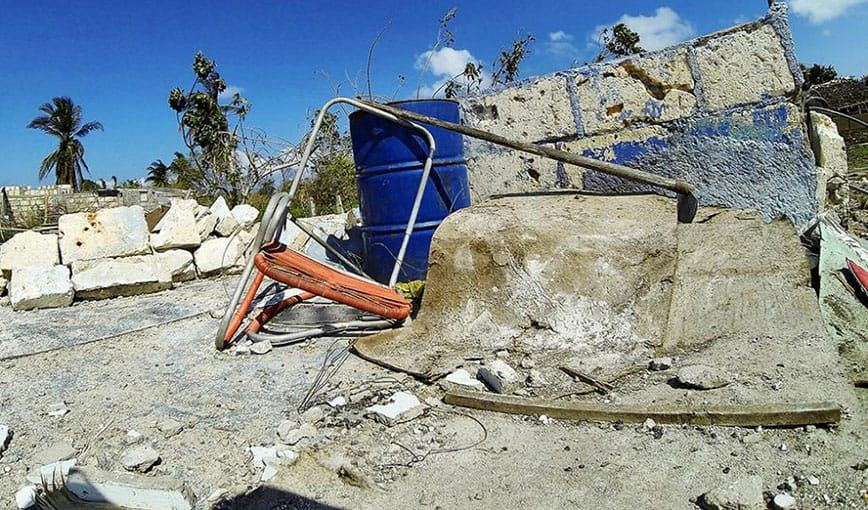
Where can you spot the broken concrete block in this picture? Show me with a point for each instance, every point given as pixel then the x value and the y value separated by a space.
pixel 463 378
pixel 28 249
pixel 499 376
pixel 702 377
pixel 178 228
pixel 245 215
pixel 26 497
pixel 140 458
pixel 179 263
pixel 227 226
pixel 115 232
pixel 402 406
pixel 743 67
pixel 177 205
pixel 123 490
pixel 220 209
pixel 205 225
pixel 741 494
pixel 40 287
pixel 221 254
pixel 56 452
pixel 105 278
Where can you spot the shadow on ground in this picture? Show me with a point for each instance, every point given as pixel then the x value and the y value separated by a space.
pixel 269 498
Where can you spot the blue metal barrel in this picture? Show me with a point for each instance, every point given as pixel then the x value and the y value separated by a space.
pixel 389 161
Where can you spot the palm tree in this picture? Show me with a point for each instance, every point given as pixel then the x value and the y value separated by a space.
pixel 158 174
pixel 62 120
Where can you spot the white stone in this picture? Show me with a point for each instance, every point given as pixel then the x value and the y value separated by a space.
pixel 245 214
pixel 58 409
pixel 292 236
pixel 293 436
pixel 179 263
pixel 115 232
pixel 784 501
pixel 5 437
pixel 499 376
pixel 402 406
pixel 178 228
pixel 40 287
pixel 105 278
pixel 462 377
pixel 312 415
pixel 176 206
pixel 123 490
pixel 649 424
pixel 268 473
pixel 170 427
pixel 262 347
pixel 812 480
pixel 743 67
pixel 221 254
pixel 205 225
pixel 133 437
pixel 220 209
pixel 29 249
pixel 26 497
pixel 658 364
pixel 741 494
pixel 139 458
pixel 702 377
pixel 227 226
pixel 337 402
pixel 262 456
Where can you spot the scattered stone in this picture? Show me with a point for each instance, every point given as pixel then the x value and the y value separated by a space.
pixel 217 495
pixel 545 420
pixel 702 377
pixel 178 228
pixel 312 415
pixel 499 376
pixel 170 427
pixel 106 278
pixel 527 363
pixel 812 480
pixel 535 379
pixel 132 437
pixel 337 402
pixel 58 409
pixel 140 458
pixel 115 232
pixel 5 437
pixel 243 348
pixel 221 254
pixel 649 424
pixel 462 377
pixel 784 501
pixel 26 497
pixel 402 406
pixel 657 364
pixel 227 226
pixel 40 287
pixel 262 347
pixel 29 249
pixel 179 263
pixel 742 494
pixel 124 490
pixel 293 436
pixel 268 473
pixel 263 456
pixel 58 451
pixel 220 209
pixel 245 215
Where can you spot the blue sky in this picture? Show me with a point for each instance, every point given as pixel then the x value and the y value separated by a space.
pixel 119 59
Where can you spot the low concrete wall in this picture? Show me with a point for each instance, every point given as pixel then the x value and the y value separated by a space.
pixel 715 111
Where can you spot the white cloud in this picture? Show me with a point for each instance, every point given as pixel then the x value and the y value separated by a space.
pixel 560 43
pixel 230 91
pixel 444 64
pixel 819 11
pixel 656 32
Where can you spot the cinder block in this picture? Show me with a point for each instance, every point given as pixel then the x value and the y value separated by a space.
pixel 538 111
pixel 655 88
pixel 743 67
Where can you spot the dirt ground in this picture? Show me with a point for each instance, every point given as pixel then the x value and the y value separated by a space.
pixel 447 458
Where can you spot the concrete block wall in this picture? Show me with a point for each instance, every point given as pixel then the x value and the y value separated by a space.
pixel 717 111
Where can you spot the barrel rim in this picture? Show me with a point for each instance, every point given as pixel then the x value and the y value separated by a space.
pixel 405 101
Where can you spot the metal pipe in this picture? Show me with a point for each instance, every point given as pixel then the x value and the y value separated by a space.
pixel 338 327
pixel 676 185
pixel 839 114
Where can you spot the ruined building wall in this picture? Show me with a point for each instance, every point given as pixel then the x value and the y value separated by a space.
pixel 717 111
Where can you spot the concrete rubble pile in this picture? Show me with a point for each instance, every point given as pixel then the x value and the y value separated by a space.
pixel 111 252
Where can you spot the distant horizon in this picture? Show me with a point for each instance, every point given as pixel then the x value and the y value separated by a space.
pixel 120 61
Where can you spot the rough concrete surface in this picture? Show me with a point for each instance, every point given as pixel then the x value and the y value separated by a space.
pixel 115 232
pixel 460 458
